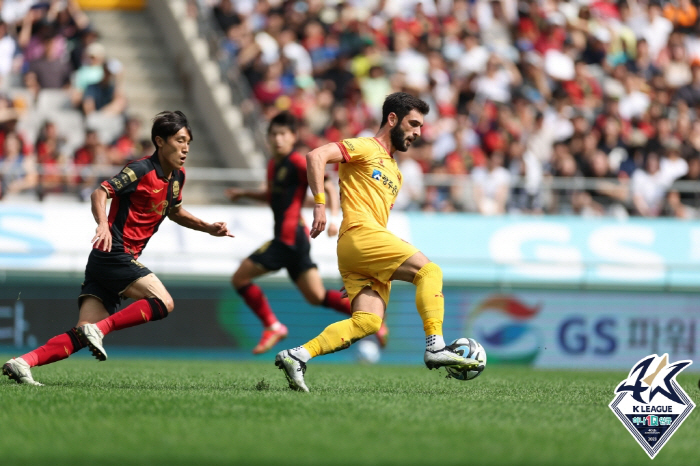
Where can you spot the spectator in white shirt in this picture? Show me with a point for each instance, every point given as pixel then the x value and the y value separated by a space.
pixel 474 57
pixel 495 84
pixel 673 166
pixel 649 188
pixel 657 29
pixel 412 190
pixel 8 46
pixel 491 186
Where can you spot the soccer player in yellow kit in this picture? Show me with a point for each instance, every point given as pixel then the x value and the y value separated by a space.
pixel 369 255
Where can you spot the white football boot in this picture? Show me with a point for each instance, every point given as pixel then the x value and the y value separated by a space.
pixel 18 370
pixel 294 370
pixel 446 357
pixel 92 337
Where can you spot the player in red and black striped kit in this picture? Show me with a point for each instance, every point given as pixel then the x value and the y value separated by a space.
pixel 290 248
pixel 143 194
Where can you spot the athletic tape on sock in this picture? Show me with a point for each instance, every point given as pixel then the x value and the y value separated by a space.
pixel 158 309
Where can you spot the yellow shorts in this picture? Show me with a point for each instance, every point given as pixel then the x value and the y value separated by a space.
pixel 368 256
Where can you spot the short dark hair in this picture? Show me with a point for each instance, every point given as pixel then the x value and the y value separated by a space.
pixel 284 119
pixel 401 103
pixel 168 123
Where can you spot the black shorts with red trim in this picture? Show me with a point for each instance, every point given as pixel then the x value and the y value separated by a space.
pixel 108 274
pixel 275 255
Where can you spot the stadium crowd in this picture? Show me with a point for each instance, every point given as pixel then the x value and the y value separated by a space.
pixel 600 96
pixel 62 112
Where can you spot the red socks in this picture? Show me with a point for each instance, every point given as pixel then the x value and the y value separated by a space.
pixel 62 346
pixel 57 348
pixel 136 313
pixel 256 300
pixel 334 299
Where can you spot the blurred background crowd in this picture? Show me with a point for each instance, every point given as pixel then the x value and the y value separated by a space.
pixel 581 107
pixel 574 107
pixel 62 112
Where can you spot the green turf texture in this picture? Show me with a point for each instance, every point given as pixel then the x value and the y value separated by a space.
pixel 170 412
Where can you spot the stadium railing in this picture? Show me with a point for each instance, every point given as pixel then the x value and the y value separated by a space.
pixel 256 176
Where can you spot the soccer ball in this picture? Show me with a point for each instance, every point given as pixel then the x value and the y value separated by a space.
pixel 469 348
pixel 368 352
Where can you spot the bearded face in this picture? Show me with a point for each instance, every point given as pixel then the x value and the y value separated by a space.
pixel 401 139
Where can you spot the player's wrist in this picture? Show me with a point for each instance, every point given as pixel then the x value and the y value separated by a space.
pixel 320 198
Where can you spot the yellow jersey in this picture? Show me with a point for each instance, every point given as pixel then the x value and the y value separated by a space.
pixel 369 182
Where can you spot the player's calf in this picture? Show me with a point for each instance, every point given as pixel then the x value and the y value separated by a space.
pixel 139 312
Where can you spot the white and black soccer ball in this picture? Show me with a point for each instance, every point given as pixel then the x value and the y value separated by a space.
pixel 468 348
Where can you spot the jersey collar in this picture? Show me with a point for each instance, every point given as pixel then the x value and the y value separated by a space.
pixel 157 165
pixel 385 149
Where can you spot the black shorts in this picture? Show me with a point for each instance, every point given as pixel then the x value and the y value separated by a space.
pixel 108 274
pixel 274 255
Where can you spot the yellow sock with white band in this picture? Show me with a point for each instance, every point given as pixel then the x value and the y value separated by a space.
pixel 431 303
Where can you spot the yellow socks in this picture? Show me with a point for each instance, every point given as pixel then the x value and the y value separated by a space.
pixel 341 335
pixel 429 299
pixel 431 307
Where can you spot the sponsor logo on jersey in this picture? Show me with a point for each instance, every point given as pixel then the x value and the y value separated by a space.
pixel 376 174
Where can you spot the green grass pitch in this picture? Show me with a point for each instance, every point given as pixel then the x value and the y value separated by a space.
pixel 173 412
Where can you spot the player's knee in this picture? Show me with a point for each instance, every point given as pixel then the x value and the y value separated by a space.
pixel 239 280
pixel 315 299
pixel 369 323
pixel 429 270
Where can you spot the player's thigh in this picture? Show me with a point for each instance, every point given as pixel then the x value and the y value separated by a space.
pixel 369 300
pixel 311 286
pixel 373 252
pixel 355 283
pixel 246 272
pixel 409 268
pixel 91 311
pixel 149 286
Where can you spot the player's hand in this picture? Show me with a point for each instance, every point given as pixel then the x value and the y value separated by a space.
pixel 319 220
pixel 344 292
pixel 234 193
pixel 332 229
pixel 103 237
pixel 219 229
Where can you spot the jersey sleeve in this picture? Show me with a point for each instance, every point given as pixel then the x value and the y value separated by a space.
pixel 356 149
pixel 126 181
pixel 299 163
pixel 178 197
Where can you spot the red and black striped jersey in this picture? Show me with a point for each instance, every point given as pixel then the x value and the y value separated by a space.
pixel 286 190
pixel 141 196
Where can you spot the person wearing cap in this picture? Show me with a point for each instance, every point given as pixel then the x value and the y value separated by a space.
pixel 104 96
pixel 92 70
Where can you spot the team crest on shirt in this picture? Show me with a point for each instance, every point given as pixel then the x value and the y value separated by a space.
pixel 161 207
pixel 376 174
pixel 176 188
pixel 281 173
